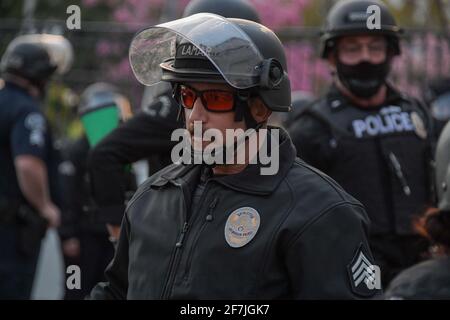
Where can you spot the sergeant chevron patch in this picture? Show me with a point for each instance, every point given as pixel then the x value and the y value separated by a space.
pixel 365 277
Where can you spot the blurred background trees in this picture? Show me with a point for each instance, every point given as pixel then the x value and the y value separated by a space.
pixel 107 27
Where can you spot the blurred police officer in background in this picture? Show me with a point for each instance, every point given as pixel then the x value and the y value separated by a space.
pixel 431 279
pixel 28 170
pixel 372 139
pixel 212 231
pixel 85 240
pixel 146 135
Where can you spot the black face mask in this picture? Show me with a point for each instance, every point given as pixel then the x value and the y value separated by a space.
pixel 363 79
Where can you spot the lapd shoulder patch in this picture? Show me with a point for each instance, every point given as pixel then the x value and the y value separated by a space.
pixel 364 276
pixel 241 227
pixel 35 122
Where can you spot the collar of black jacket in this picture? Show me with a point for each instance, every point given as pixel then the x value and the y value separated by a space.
pixel 250 180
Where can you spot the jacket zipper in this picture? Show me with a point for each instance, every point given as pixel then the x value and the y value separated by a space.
pixel 179 244
pixel 178 247
pixel 209 217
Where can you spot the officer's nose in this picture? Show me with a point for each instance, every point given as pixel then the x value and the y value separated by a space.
pixel 198 112
pixel 365 54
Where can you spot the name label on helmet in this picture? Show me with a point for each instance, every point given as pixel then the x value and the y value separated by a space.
pixel 189 50
pixel 389 120
pixel 358 16
pixel 372 17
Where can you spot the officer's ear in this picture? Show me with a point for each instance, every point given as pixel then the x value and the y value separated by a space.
pixel 258 110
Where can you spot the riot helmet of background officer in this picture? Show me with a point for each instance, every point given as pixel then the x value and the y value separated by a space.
pixel 345 34
pixel 239 9
pixel 32 59
pixel 101 109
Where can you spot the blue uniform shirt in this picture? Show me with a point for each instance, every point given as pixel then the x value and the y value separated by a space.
pixel 23 131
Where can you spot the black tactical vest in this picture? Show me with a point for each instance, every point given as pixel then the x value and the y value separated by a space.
pixel 380 156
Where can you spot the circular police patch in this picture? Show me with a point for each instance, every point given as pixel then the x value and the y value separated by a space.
pixel 242 226
pixel 35 122
pixel 419 126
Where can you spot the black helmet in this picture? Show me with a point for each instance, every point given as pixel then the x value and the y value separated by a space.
pixel 349 17
pixel 257 63
pixel 240 9
pixel 209 48
pixel 28 60
pixel 443 169
pixel 101 109
pixel 274 85
pixel 37 56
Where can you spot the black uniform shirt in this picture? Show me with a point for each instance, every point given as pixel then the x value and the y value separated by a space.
pixel 381 155
pixel 145 136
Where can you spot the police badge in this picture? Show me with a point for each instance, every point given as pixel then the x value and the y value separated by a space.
pixel 242 226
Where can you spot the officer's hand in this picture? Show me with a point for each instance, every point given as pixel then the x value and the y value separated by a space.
pixel 52 214
pixel 113 230
pixel 71 247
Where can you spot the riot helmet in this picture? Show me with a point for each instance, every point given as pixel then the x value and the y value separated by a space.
pixel 210 48
pixel 101 109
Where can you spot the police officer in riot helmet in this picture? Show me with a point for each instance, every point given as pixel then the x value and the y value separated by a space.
pixel 147 134
pixel 84 239
pixel 28 170
pixel 369 137
pixel 215 229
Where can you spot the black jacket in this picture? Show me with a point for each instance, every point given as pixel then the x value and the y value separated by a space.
pixel 310 233
pixel 381 156
pixel 79 212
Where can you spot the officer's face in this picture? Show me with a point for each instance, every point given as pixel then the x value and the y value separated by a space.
pixel 352 50
pixel 220 120
pixel 209 119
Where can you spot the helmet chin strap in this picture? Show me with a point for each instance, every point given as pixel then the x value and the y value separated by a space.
pixel 242 111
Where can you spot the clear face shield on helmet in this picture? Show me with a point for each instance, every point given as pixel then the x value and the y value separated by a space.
pixel 225 45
